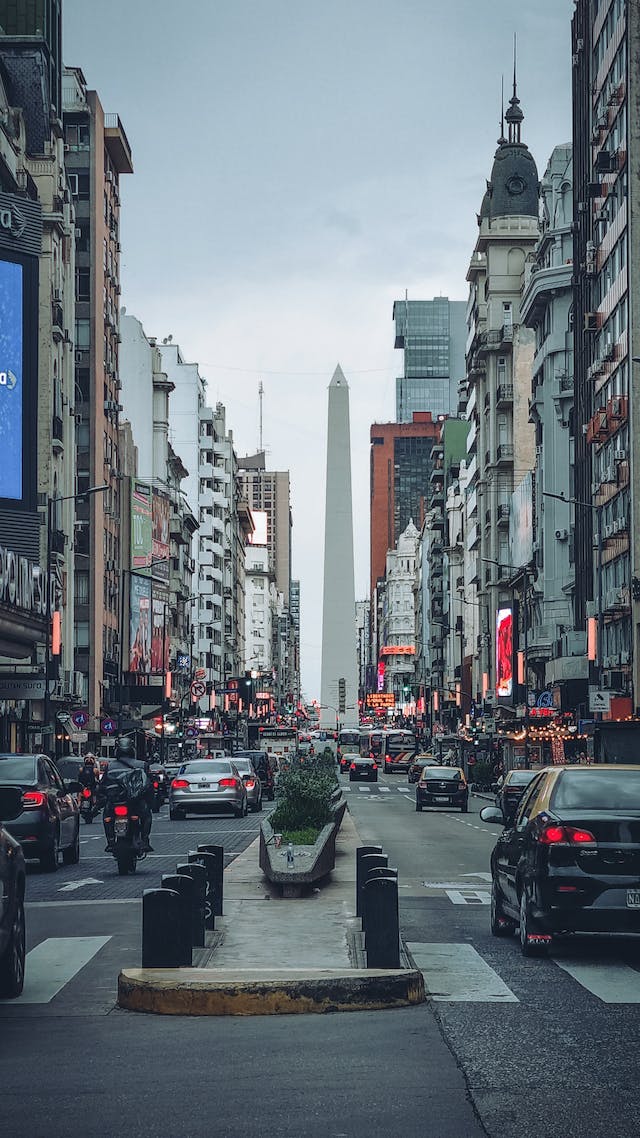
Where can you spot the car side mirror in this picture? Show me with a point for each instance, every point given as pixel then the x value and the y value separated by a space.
pixel 10 803
pixel 492 815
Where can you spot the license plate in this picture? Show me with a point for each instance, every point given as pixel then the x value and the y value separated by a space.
pixel 633 898
pixel 204 786
pixel 121 827
pixel 439 798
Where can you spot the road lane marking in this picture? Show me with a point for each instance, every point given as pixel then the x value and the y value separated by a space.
pixel 611 981
pixel 53 963
pixel 483 876
pixel 468 896
pixel 364 789
pixel 72 885
pixel 457 973
pixel 384 790
pixel 405 789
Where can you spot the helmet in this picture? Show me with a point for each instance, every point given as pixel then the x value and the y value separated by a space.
pixel 125 747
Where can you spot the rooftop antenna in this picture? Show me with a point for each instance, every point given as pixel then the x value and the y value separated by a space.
pixel 260 397
pixel 502 139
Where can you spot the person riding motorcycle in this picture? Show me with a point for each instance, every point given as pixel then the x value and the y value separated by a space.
pixel 113 779
pixel 87 774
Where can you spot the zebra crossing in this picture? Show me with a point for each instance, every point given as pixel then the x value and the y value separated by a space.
pixel 458 973
pixel 377 789
pixel 53 963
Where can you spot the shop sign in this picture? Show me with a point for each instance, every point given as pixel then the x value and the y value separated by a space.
pixel 21 583
pixel 23 686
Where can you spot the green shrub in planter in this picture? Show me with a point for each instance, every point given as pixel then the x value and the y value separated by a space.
pixel 304 798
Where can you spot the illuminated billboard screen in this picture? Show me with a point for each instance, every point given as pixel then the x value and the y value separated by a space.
pixel 260 534
pixel 140 625
pixel 504 653
pixel 11 380
pixel 161 509
pixel 141 526
pixel 159 633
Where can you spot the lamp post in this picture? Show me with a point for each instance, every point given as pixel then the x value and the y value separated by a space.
pixel 52 506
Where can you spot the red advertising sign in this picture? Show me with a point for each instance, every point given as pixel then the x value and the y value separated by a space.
pixel 504 653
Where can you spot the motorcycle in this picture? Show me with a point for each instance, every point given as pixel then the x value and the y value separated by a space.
pixel 127 838
pixel 88 805
pixel 160 791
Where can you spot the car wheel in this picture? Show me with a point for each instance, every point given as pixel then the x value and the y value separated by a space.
pixel 71 856
pixel 246 807
pixel 176 815
pixel 500 925
pixel 464 809
pixel 12 959
pixel 532 943
pixel 418 806
pixel 49 860
pixel 258 806
pixel 351 778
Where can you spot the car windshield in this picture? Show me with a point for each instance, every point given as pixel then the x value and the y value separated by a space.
pixel 17 768
pixel 443 773
pixel 520 778
pixel 243 765
pixel 208 766
pixel 616 789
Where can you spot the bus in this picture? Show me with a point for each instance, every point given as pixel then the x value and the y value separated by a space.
pixel 348 744
pixel 280 742
pixel 372 743
pixel 399 749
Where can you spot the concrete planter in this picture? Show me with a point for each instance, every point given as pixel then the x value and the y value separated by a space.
pixel 311 863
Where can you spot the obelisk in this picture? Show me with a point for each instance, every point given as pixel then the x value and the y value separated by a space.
pixel 339 675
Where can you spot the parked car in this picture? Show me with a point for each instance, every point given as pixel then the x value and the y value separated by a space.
pixel 12 886
pixel 571 860
pixel 252 783
pixel 442 786
pixel 511 790
pixel 418 765
pixel 49 823
pixel 207 785
pixel 363 766
pixel 266 768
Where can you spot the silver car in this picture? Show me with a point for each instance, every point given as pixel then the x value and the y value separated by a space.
pixel 252 783
pixel 207 785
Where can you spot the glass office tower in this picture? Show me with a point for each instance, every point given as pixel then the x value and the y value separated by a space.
pixel 432 334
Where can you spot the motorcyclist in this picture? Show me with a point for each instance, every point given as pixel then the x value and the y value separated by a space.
pixel 87 774
pixel 112 779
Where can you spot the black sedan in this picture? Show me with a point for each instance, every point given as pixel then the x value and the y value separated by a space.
pixel 363 767
pixel 418 764
pixel 442 786
pixel 12 886
pixel 49 823
pixel 513 787
pixel 571 861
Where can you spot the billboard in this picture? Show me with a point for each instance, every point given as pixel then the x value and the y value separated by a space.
pixel 504 653
pixel 260 534
pixel 141 525
pixel 521 523
pixel 159 631
pixel 11 382
pixel 160 512
pixel 140 625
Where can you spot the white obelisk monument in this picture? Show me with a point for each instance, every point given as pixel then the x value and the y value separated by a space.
pixel 339 676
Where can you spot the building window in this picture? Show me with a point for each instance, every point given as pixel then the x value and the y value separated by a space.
pixel 83 334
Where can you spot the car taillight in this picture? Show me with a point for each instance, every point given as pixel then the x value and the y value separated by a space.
pixel 86 793
pixel 352 766
pixel 228 782
pixel 121 811
pixel 31 799
pixel 249 783
pixel 375 766
pixel 156 785
pixel 179 783
pixel 565 835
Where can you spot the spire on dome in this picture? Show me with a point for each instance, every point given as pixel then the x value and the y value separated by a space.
pixel 514 115
pixel 502 139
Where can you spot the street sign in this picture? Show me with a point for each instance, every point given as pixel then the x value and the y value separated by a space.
pixel 599 700
pixel 108 726
pixel 80 718
pixel 183 662
pixel 198 689
pixel 191 732
pixel 78 736
pixel 200 673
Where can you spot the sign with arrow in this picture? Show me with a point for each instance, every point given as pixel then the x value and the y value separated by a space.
pixel 198 689
pixel 71 886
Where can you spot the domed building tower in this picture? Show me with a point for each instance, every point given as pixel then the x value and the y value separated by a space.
pixel 501 441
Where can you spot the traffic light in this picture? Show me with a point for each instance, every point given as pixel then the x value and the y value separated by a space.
pixel 342 696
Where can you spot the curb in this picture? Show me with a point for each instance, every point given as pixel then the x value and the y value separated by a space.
pixel 211 991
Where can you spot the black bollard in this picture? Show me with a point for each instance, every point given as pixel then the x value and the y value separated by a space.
pixel 198 874
pixel 218 893
pixel 360 853
pixel 161 929
pixel 184 887
pixel 382 937
pixel 366 863
pixel 209 861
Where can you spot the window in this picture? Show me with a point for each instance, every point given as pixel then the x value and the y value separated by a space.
pixel 83 284
pixel 82 634
pixel 83 334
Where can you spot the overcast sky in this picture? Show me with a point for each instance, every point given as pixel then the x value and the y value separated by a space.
pixel 298 165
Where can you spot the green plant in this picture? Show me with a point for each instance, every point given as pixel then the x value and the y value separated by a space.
pixel 304 837
pixel 304 798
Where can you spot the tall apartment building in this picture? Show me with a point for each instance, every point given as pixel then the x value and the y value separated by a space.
pixel 500 443
pixel 606 299
pixel 396 620
pixel 432 335
pixel 97 155
pixel 269 491
pixel 400 469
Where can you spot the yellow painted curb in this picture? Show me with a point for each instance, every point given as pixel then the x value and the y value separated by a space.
pixel 214 991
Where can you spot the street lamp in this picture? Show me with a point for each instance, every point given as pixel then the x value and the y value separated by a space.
pixel 52 648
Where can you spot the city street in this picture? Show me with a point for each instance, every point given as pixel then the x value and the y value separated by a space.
pixel 510 1024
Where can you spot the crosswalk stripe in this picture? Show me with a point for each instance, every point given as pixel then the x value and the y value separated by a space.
pixel 457 973
pixel 364 789
pixel 469 896
pixel 384 790
pixel 612 981
pixel 53 963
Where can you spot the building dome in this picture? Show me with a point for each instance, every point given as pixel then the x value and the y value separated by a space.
pixel 514 187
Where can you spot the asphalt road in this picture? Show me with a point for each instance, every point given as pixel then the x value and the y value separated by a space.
pixel 505 1047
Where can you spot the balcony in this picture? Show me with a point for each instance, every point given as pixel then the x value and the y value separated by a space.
pixel 504 510
pixel 57 434
pixel 504 456
pixel 504 395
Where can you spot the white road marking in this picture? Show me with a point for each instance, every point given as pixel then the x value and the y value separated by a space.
pixel 364 789
pixel 448 885
pixel 72 885
pixel 53 963
pixel 405 789
pixel 611 981
pixel 483 876
pixel 468 896
pixel 457 973
pixel 384 790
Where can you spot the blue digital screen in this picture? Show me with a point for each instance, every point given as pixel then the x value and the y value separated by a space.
pixel 11 380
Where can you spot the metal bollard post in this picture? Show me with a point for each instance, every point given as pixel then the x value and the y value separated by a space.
pixel 184 887
pixel 198 874
pixel 360 853
pixel 367 862
pixel 161 929
pixel 209 862
pixel 382 937
pixel 218 895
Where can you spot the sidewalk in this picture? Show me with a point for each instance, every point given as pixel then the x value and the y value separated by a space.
pixel 269 955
